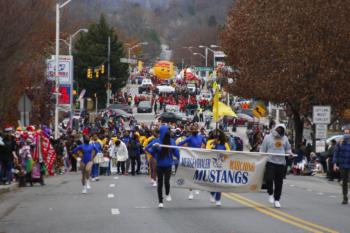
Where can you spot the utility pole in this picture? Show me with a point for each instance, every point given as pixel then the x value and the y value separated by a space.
pixel 108 73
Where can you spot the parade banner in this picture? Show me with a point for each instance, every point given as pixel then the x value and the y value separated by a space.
pixel 220 171
pixel 44 151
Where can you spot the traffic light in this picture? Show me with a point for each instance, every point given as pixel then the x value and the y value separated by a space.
pixel 102 69
pixel 97 73
pixel 89 73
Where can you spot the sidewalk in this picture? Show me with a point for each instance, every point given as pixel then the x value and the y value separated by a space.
pixel 7 188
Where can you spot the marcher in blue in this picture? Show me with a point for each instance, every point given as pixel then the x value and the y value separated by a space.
pixel 341 160
pixel 195 141
pixel 95 167
pixel 164 158
pixel 134 148
pixel 219 142
pixel 88 152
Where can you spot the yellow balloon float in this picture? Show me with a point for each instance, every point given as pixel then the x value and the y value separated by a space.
pixel 164 70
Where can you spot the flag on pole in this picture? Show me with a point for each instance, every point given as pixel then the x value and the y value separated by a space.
pixel 216 106
pixel 220 109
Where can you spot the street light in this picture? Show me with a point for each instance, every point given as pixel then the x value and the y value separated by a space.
pixel 57 84
pixel 206 53
pixel 129 55
pixel 214 46
pixel 71 37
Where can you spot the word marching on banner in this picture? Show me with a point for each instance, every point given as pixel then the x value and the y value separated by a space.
pixel 220 171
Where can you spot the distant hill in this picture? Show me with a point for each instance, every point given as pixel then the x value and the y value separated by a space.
pixel 157 21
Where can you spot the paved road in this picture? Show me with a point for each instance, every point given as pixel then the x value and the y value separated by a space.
pixel 129 204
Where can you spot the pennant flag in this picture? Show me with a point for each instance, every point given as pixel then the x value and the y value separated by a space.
pixel 221 109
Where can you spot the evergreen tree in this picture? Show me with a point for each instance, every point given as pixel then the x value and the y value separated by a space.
pixel 91 52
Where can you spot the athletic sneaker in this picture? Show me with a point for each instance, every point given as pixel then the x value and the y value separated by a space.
pixel 277 204
pixel 160 205
pixel 212 199
pixel 154 184
pixel 93 179
pixel 168 198
pixel 84 190
pixel 271 199
pixel 88 184
pixel 190 197
pixel 218 203
pixel 196 192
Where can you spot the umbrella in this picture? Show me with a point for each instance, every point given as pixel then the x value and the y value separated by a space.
pixel 247 117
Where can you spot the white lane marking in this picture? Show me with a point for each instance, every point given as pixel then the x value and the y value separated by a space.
pixel 142 207
pixel 332 196
pixel 292 185
pixel 116 177
pixel 309 190
pixel 115 211
pixel 110 195
pixel 112 185
pixel 319 193
pixel 50 209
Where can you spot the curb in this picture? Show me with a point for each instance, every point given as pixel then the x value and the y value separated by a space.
pixel 8 188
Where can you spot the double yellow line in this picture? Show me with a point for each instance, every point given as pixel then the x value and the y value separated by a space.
pixel 278 214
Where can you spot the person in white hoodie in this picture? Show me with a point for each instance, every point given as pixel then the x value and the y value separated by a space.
pixel 120 151
pixel 276 142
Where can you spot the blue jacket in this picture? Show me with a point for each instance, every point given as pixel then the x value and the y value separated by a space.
pixel 167 160
pixel 193 141
pixel 341 155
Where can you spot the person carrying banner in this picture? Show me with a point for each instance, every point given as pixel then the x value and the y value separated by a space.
pixel 217 142
pixel 151 162
pixel 88 152
pixel 195 141
pixel 276 142
pixel 164 159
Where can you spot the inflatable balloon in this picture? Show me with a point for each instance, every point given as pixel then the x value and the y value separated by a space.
pixel 164 70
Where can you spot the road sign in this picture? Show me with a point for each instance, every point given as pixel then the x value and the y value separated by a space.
pixel 65 69
pixel 24 107
pixel 321 115
pixel 202 68
pixel 259 110
pixel 24 104
pixel 321 131
pixel 129 61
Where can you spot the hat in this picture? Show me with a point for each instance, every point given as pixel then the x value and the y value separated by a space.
pixel 8 128
pixel 281 125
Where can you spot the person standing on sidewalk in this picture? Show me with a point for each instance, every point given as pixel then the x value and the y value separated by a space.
pixel 341 160
pixel 7 156
pixel 276 142
pixel 164 158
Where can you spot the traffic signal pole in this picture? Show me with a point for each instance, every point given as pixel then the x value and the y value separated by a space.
pixel 108 73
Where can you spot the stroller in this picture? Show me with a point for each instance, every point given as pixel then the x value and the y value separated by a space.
pixel 37 174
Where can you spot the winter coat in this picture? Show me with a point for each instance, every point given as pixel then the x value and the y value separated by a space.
pixel 119 152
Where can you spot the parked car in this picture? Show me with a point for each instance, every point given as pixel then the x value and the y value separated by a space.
pixel 124 107
pixel 144 106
